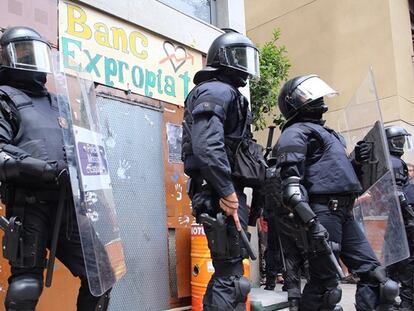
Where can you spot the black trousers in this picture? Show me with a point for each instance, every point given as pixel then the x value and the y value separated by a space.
pixel 356 253
pixel 293 253
pixel 38 221
pixel 272 256
pixel 223 290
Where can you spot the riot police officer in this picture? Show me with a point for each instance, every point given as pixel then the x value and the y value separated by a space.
pixel 403 272
pixel 319 186
pixel 287 239
pixel 215 115
pixel 32 173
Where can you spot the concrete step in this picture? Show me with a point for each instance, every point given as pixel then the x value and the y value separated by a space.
pixel 266 300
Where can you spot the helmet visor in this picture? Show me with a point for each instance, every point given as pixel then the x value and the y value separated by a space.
pixel 313 88
pixel 28 55
pixel 243 58
pixel 402 142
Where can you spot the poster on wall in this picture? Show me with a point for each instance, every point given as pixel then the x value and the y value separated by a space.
pixel 122 55
pixel 174 138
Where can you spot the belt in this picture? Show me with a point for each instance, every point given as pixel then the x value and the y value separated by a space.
pixel 333 201
pixel 31 196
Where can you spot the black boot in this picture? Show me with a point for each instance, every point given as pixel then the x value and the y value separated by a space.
pixel 270 284
pixel 294 304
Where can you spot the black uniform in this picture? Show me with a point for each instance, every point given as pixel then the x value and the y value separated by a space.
pixel 403 272
pixel 34 128
pixel 215 108
pixel 319 186
pixel 216 130
pixel 317 155
pixel 272 256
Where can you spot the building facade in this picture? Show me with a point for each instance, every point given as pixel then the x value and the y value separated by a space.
pixel 341 41
pixel 142 56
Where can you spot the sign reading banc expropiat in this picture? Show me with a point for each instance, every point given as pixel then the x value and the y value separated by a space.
pixel 121 55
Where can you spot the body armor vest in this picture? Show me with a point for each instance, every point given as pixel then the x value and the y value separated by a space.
pixel 400 171
pixel 332 172
pixel 38 131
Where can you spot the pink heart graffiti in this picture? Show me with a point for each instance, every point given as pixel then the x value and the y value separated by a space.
pixel 177 55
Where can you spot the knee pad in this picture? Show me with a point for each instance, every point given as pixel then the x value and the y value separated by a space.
pixel 23 293
pixel 389 290
pixel 242 286
pixel 331 297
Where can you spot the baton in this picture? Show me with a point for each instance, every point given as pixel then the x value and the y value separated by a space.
pixel 4 223
pixel 269 140
pixel 282 254
pixel 56 229
pixel 334 261
pixel 337 266
pixel 247 244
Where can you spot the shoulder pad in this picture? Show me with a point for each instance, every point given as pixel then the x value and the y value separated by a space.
pixel 291 146
pixel 213 97
pixel 210 108
pixel 17 97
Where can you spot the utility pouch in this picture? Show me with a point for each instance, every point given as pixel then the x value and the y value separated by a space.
pixel 249 164
pixel 13 241
pixel 244 153
pixel 216 232
pixel 223 238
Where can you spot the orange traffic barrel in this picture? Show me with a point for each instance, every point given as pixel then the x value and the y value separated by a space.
pixel 246 268
pixel 202 267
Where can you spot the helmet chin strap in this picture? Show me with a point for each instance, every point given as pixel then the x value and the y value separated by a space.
pixel 235 77
pixel 313 111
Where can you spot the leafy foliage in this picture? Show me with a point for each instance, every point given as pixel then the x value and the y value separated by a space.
pixel 274 67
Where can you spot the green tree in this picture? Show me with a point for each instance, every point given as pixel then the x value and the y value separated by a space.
pixel 274 67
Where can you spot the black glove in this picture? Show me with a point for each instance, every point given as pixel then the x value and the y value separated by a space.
pixel 51 171
pixel 318 237
pixel 201 203
pixel 363 151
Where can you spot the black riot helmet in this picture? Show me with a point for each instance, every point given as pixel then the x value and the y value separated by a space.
pixel 23 48
pixel 303 96
pixel 398 139
pixel 232 53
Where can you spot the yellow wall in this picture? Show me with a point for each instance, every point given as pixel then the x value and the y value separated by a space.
pixel 340 41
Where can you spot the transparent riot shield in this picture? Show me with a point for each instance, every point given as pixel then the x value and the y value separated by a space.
pixel 377 209
pixel 90 181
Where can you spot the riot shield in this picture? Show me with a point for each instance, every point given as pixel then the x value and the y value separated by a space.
pixel 90 181
pixel 377 209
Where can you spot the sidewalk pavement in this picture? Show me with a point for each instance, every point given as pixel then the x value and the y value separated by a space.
pixel 348 296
